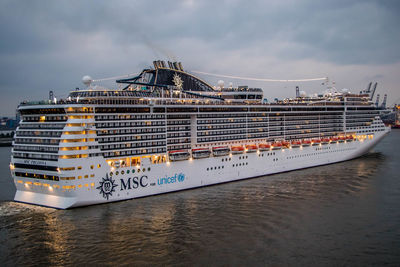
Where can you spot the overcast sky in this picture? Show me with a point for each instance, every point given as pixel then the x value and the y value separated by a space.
pixel 51 45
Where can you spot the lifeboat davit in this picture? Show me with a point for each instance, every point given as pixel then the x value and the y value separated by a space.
pixel 264 147
pixel 237 149
pixel 295 144
pixel 251 148
pixel 306 143
pixel 176 155
pixel 220 151
pixel 199 153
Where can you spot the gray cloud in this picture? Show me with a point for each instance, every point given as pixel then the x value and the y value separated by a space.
pixel 51 44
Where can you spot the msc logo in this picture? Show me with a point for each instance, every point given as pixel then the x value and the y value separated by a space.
pixel 107 187
pixel 133 183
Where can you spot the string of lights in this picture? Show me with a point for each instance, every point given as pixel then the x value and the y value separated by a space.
pixel 258 79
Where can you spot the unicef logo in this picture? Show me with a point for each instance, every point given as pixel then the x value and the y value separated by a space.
pixel 181 177
pixel 107 187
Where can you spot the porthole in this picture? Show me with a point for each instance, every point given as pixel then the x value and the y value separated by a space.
pixel 127 171
pixel 111 173
pixel 148 169
pixel 122 172
pixel 116 173
pixel 133 170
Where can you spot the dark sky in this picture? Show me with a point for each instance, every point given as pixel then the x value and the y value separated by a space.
pixel 51 45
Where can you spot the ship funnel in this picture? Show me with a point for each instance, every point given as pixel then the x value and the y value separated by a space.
pixel 180 66
pixel 170 65
pixel 175 64
pixel 297 91
pixel 163 64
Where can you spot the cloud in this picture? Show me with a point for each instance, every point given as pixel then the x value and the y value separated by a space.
pixel 50 45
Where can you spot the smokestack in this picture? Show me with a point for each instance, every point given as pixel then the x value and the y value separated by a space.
pixel 163 64
pixel 180 66
pixel 175 65
pixel 170 65
pixel 51 95
pixel 297 91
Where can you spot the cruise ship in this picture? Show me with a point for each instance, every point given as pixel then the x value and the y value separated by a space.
pixel 167 130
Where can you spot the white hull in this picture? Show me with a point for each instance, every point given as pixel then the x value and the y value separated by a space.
pixel 187 174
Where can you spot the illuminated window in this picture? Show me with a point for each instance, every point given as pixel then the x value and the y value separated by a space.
pixel 80 177
pixel 79 167
pixel 91 166
pixel 98 165
pixel 86 176
pixel 92 175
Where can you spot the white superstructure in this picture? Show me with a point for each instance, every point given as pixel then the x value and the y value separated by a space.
pixel 168 130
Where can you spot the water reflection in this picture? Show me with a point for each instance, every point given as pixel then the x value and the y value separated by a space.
pixel 318 215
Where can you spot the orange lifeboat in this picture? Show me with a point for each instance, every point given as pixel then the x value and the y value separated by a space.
pixel 264 147
pixel 316 142
pixel 237 149
pixel 285 144
pixel 306 143
pixel 251 148
pixel 295 144
pixel 325 141
pixel 276 145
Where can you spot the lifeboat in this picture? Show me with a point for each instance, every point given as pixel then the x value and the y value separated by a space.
pixel 264 147
pixel 316 142
pixel 306 143
pixel 176 155
pixel 251 148
pixel 325 141
pixel 342 139
pixel 199 153
pixel 349 138
pixel 276 145
pixel 237 149
pixel 295 144
pixel 334 139
pixel 285 144
pixel 220 151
